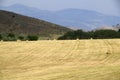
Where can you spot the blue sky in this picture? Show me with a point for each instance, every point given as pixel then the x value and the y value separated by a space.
pixel 105 6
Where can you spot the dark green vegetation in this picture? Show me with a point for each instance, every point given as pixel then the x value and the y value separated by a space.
pixel 13 37
pixel 32 37
pixel 22 25
pixel 9 37
pixel 98 34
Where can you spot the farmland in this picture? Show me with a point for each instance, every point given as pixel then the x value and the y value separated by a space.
pixel 60 60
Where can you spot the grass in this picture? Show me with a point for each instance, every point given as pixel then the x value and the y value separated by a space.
pixel 60 60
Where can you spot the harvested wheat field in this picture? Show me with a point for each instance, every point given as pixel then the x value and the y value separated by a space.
pixel 60 60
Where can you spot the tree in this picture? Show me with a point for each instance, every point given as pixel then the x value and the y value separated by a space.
pixel 10 37
pixel 105 34
pixel 98 34
pixel 0 37
pixel 72 35
pixel 32 37
pixel 22 38
pixel 119 30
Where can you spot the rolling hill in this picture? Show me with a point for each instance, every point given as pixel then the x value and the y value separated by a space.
pixel 60 60
pixel 72 18
pixel 19 24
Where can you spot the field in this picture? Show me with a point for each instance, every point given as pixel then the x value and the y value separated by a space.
pixel 60 60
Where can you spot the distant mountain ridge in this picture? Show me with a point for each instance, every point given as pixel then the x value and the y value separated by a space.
pixel 72 18
pixel 15 23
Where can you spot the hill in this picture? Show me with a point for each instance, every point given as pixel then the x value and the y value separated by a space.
pixel 72 18
pixel 60 60
pixel 19 24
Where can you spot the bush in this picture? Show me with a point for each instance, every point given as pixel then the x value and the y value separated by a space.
pixel 22 38
pixel 15 37
pixel 0 37
pixel 32 37
pixel 105 34
pixel 98 34
pixel 9 37
pixel 72 35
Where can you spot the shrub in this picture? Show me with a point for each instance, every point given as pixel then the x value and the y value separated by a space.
pixel 98 34
pixel 72 35
pixel 0 37
pixel 32 37
pixel 22 38
pixel 105 34
pixel 9 37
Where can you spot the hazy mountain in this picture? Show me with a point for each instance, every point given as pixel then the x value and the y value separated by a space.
pixel 72 18
pixel 19 24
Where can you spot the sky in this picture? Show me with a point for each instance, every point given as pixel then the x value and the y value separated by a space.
pixel 110 7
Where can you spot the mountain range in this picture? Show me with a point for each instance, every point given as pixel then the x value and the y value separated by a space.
pixel 71 18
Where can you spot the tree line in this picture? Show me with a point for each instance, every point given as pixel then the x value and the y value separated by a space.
pixel 15 37
pixel 97 34
pixel 71 35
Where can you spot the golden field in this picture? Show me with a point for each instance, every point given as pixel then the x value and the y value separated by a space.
pixel 60 60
